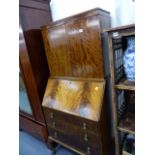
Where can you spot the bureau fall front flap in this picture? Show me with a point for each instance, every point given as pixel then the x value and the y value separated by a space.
pixel 81 97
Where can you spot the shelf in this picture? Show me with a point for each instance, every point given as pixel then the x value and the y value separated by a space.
pixel 127 124
pixel 123 93
pixel 125 85
pixel 126 153
pixel 125 130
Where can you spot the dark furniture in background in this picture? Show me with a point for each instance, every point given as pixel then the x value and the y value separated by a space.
pixel 33 65
pixel 74 50
pixel 122 90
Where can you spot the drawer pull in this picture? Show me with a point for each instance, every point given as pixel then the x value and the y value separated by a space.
pixel 53 124
pixel 55 134
pixel 52 115
pixel 86 137
pixel 88 150
pixel 84 126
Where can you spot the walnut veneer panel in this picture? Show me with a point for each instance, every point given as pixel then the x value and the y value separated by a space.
pixel 56 51
pixel 77 97
pixel 85 47
pixel 73 45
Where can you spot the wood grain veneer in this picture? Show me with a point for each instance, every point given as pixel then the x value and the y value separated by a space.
pixel 73 45
pixel 86 130
pixel 74 103
pixel 83 98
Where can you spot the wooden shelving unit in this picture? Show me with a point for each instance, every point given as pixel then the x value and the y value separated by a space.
pixel 122 90
pixel 127 124
pixel 125 130
pixel 125 85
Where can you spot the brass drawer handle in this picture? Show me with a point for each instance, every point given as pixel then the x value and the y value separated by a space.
pixel 53 124
pixel 52 115
pixel 86 137
pixel 84 126
pixel 88 150
pixel 55 134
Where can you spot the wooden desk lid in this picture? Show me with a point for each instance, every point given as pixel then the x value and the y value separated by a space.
pixel 82 97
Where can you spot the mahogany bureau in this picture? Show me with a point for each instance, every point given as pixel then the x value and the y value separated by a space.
pixel 73 109
pixel 75 101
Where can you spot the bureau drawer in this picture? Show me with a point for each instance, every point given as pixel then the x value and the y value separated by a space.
pixel 76 141
pixel 74 131
pixel 85 124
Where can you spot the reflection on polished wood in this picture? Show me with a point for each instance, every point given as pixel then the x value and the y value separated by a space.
pixel 56 50
pixel 79 97
pixel 74 45
pixel 85 47
pixel 74 49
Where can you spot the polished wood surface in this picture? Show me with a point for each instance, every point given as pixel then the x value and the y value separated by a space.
pixel 52 115
pixel 57 52
pixel 33 64
pixel 75 132
pixel 78 142
pixel 73 45
pixel 69 128
pixel 85 47
pixel 29 78
pixel 82 98
pixel 75 102
pixel 38 60
pixel 65 127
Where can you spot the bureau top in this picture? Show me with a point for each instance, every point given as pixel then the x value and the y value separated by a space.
pixel 95 11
